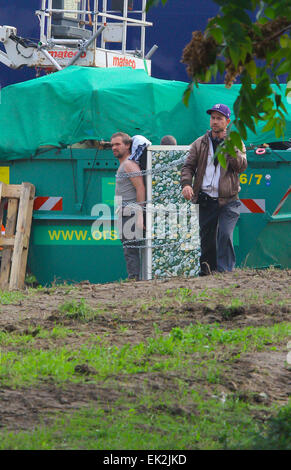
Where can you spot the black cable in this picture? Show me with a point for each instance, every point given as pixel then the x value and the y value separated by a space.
pixel 23 42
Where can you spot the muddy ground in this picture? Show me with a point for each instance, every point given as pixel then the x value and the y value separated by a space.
pixel 129 312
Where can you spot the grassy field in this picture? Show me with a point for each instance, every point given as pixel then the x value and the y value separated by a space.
pixel 174 364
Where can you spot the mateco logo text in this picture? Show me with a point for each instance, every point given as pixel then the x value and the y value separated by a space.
pixel 123 62
pixel 65 54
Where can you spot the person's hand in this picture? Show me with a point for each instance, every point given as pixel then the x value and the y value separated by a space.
pixel 187 192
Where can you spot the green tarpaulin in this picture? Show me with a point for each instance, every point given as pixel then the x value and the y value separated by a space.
pixel 79 103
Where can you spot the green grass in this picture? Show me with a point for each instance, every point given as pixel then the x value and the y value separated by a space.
pixel 11 297
pixel 79 310
pixel 211 426
pixel 27 338
pixel 166 390
pixel 184 294
pixel 275 435
pixel 172 352
pixel 92 429
pixel 231 294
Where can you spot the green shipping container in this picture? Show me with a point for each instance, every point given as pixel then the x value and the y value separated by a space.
pixel 70 242
pixel 262 236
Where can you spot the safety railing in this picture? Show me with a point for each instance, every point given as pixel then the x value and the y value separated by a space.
pixel 92 19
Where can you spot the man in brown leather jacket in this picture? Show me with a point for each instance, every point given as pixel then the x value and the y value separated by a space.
pixel 215 189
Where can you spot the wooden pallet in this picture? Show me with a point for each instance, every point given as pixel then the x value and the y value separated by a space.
pixel 19 201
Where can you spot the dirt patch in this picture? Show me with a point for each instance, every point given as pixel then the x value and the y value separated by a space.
pixel 26 408
pixel 130 312
pixel 263 377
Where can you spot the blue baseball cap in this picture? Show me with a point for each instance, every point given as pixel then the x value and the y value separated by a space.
pixel 220 108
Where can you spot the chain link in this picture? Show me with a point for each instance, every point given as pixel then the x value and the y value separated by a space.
pixel 159 169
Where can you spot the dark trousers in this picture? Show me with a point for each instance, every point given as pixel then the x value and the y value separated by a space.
pixel 131 252
pixel 132 259
pixel 216 225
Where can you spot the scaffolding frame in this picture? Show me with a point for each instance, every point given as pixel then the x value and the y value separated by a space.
pixel 95 19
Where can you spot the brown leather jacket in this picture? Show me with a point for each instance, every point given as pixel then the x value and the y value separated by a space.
pixel 195 165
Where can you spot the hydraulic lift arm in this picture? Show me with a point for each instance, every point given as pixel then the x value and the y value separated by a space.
pixel 63 46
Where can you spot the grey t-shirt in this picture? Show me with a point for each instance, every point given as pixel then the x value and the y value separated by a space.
pixel 124 187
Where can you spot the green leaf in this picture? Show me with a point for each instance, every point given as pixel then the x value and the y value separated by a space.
pixel 252 69
pixel 234 53
pixel 270 13
pixel 284 68
pixel 267 105
pixel 187 94
pixel 279 55
pixel 249 104
pixel 278 129
pixel 221 66
pixel 214 70
pixel 217 34
pixel 236 106
pixel 222 159
pixel 236 139
pixel 263 20
pixel 241 15
pixel 208 75
pixel 269 126
pixel 248 121
pixel 241 129
pixel 263 89
pixel 229 148
pixel 284 41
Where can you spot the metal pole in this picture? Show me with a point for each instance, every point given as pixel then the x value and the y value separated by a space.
pixel 42 21
pixel 83 17
pixel 50 58
pixel 104 19
pixel 49 22
pixel 151 52
pixel 124 27
pixel 64 41
pixel 95 28
pixel 59 10
pixel 86 45
pixel 107 15
pixel 131 20
pixel 142 33
pixel 149 217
